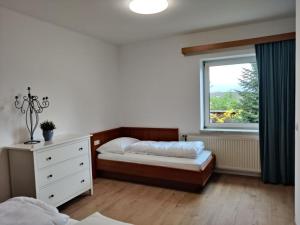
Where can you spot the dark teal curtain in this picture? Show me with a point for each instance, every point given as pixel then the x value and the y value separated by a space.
pixel 276 71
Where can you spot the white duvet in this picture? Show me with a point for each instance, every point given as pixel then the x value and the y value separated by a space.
pixel 178 149
pixel 29 211
pixel 98 219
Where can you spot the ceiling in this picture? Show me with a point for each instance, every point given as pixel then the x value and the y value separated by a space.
pixel 112 21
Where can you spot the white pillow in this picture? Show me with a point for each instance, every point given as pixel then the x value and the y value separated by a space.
pixel 117 145
pixel 98 219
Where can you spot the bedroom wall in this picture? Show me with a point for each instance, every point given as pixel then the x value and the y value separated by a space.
pixel 78 73
pixel 160 87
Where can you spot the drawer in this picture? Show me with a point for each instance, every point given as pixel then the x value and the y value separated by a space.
pixel 58 171
pixel 59 192
pixel 62 153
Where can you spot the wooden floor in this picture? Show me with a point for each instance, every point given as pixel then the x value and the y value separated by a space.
pixel 226 200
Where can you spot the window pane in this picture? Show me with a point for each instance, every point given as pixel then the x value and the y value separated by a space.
pixel 233 93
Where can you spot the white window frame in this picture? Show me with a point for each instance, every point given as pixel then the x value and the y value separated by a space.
pixel 205 101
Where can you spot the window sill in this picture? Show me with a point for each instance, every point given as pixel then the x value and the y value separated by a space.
pixel 244 131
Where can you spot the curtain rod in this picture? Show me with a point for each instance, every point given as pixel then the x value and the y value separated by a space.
pixel 200 49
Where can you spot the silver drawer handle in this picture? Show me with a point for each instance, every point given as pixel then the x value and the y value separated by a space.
pixel 51 196
pixel 49 158
pixel 80 149
pixel 81 164
pixel 49 176
pixel 82 181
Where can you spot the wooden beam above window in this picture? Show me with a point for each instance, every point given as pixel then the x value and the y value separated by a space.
pixel 200 49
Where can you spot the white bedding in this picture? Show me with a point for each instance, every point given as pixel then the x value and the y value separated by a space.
pixel 179 149
pixel 98 219
pixel 117 145
pixel 172 162
pixel 72 222
pixel 29 211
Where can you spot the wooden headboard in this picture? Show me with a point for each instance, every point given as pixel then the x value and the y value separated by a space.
pixel 142 133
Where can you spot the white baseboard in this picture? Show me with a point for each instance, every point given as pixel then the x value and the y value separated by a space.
pixel 233 172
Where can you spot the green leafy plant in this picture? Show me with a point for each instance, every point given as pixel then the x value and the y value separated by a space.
pixel 47 125
pixel 249 102
pixel 228 101
pixel 239 106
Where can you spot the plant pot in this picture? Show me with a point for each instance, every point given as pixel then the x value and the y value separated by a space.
pixel 48 135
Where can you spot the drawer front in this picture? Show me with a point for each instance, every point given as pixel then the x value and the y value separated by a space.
pixel 53 173
pixel 58 192
pixel 62 153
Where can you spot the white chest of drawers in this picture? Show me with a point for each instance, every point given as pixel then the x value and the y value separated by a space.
pixel 53 172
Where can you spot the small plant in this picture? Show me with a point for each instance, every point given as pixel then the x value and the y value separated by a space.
pixel 47 125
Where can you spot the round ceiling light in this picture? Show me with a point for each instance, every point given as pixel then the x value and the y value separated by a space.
pixel 148 6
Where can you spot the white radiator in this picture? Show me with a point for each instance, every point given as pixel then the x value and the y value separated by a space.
pixel 235 154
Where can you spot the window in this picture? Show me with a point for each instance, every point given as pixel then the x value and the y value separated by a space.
pixel 231 93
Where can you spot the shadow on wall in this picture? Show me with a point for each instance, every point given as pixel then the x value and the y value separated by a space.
pixel 19 134
pixel 4 176
pixel 12 131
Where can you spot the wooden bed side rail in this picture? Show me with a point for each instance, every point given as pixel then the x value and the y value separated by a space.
pixel 98 139
pixel 142 133
pixel 150 171
pixel 157 175
pixel 153 134
pixel 208 170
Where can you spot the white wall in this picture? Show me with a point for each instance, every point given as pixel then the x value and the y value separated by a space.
pixel 160 87
pixel 297 153
pixel 84 78
pixel 78 73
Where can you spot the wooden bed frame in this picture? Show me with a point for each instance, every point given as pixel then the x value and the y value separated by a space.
pixel 147 174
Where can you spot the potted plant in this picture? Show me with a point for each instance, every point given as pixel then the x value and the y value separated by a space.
pixel 47 127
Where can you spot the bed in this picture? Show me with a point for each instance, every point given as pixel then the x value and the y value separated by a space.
pixel 30 211
pixel 178 173
pixel 96 219
pixel 72 222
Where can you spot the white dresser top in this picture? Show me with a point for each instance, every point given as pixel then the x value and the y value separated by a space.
pixel 57 140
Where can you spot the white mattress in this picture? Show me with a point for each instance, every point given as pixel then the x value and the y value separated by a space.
pixel 172 162
pixel 72 222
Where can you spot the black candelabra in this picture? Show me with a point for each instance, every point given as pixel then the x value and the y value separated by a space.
pixel 31 106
